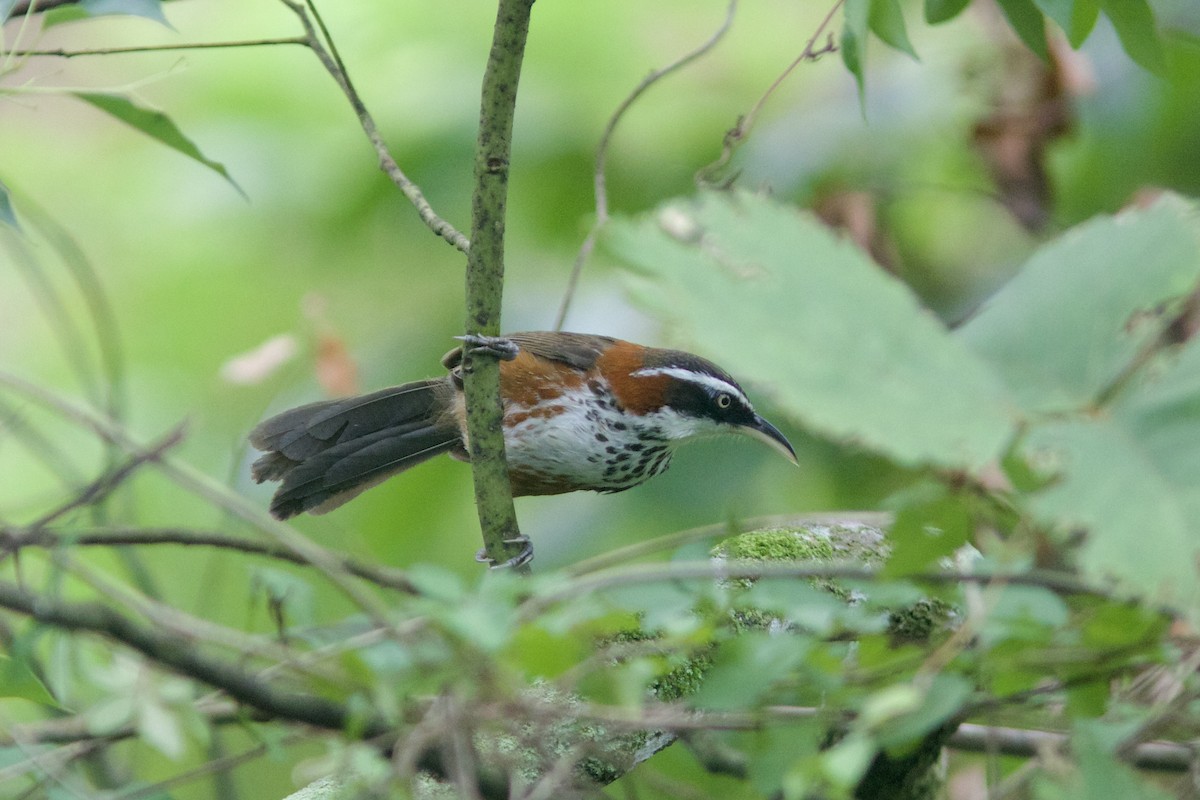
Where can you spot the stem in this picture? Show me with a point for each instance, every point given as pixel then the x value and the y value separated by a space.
pixel 599 178
pixel 485 280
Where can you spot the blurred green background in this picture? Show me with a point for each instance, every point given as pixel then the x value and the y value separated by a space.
pixel 197 275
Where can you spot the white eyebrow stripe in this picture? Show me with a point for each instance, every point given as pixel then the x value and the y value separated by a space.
pixel 691 376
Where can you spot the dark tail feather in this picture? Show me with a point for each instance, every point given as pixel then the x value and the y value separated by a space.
pixel 327 453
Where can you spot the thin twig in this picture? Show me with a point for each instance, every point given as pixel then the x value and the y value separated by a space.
pixel 161 788
pixel 14 538
pixel 59 757
pixel 599 179
pixel 196 630
pixel 100 488
pixel 386 162
pixel 179 654
pixel 637 574
pixel 735 135
pixel 113 51
pixel 205 487
pixel 623 555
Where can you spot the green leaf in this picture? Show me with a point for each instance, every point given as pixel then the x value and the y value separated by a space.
pixel 159 726
pixel 1075 17
pixel 1120 626
pixel 62 15
pixel 944 697
pixel 18 680
pixel 1114 487
pixel 1088 699
pixel 1059 332
pixel 769 658
pixel 86 9
pixel 887 21
pixel 8 214
pixel 942 10
pixel 156 125
pixel 1135 26
pixel 782 302
pixel 857 14
pixel 1094 744
pixel 1028 23
pixel 846 762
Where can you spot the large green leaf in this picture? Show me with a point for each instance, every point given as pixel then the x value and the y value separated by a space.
pixel 1064 328
pixel 1136 29
pixel 18 680
pixel 1110 485
pixel 778 299
pixel 1131 480
pixel 1028 22
pixel 156 125
pixel 1075 17
pixel 942 10
pixel 887 21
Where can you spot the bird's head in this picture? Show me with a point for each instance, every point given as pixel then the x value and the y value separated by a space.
pixel 696 398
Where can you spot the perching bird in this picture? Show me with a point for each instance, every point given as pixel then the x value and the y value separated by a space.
pixel 580 412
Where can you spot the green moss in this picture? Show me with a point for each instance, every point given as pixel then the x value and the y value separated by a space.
pixel 920 621
pixel 783 545
pixel 776 545
pixel 684 679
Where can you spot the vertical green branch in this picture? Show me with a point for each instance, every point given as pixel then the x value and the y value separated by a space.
pixel 485 279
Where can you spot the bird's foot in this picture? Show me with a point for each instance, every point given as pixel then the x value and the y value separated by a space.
pixel 499 347
pixel 519 560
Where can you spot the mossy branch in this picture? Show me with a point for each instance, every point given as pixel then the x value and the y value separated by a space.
pixel 485 280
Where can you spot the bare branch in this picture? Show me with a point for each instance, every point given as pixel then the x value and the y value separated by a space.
pixel 205 487
pixel 387 163
pixel 157 48
pixel 180 654
pixel 15 538
pixel 108 482
pixel 1165 756
pixel 738 133
pixel 635 574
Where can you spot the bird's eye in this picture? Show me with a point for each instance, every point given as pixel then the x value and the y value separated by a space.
pixel 724 401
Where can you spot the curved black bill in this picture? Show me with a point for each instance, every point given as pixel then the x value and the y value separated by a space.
pixel 766 432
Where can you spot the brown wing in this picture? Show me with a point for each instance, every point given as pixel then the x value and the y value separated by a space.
pixel 580 350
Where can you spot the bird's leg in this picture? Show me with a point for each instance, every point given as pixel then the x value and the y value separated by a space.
pixel 519 560
pixel 499 347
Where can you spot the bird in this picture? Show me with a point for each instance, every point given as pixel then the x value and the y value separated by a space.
pixel 580 412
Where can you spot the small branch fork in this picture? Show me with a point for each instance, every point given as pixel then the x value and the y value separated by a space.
pixel 738 133
pixel 326 52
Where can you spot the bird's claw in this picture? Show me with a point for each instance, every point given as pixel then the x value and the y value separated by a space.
pixel 519 560
pixel 499 347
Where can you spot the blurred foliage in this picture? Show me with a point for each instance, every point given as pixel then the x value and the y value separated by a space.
pixel 132 280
